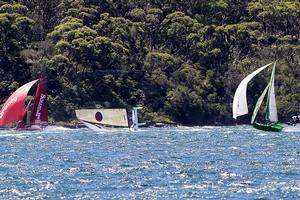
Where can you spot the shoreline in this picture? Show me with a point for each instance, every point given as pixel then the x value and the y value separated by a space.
pixel 77 124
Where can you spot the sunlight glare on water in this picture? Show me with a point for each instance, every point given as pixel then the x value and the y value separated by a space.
pixel 235 162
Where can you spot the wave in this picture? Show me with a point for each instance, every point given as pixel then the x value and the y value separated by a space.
pixel 292 128
pixel 57 128
pixel 14 133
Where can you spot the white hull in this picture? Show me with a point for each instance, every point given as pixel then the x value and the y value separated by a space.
pixel 102 129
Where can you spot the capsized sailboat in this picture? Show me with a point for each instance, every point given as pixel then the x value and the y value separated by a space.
pixel 108 119
pixel 240 106
pixel 103 119
pixel 35 115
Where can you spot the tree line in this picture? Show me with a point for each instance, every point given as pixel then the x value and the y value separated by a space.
pixel 180 60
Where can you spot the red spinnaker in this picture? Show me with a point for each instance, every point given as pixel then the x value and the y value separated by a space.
pixel 40 107
pixel 12 111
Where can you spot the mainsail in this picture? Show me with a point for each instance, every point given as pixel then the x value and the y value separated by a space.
pixel 272 108
pixel 240 106
pixel 12 111
pixel 107 117
pixel 40 107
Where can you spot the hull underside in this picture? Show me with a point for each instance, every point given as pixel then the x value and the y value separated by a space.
pixel 99 128
pixel 274 127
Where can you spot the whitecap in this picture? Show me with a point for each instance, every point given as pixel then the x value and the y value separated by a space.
pixel 57 128
pixel 262 134
pixel 196 186
pixel 15 192
pixel 226 175
pixel 19 134
pixel 292 128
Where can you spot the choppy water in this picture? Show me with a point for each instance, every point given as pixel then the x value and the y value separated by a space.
pixel 182 163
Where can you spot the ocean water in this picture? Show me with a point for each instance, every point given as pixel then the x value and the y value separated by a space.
pixel 236 162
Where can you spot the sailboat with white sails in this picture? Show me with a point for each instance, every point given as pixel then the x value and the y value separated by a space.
pixel 240 107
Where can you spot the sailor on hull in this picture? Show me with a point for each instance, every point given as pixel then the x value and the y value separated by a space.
pixel 295 120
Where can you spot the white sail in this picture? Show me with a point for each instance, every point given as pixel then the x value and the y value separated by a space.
pixel 240 106
pixel 109 117
pixel 258 103
pixel 273 117
pixel 135 118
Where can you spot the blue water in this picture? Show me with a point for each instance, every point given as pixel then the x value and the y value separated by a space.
pixel 168 163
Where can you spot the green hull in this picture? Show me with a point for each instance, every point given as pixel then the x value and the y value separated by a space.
pixel 275 127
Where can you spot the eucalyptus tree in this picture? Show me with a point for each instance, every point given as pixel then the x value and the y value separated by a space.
pixel 127 35
pixel 279 16
pixel 16 33
pixel 176 28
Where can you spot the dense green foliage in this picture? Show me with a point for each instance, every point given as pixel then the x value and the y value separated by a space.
pixel 181 60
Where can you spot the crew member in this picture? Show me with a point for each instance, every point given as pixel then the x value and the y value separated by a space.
pixel 295 120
